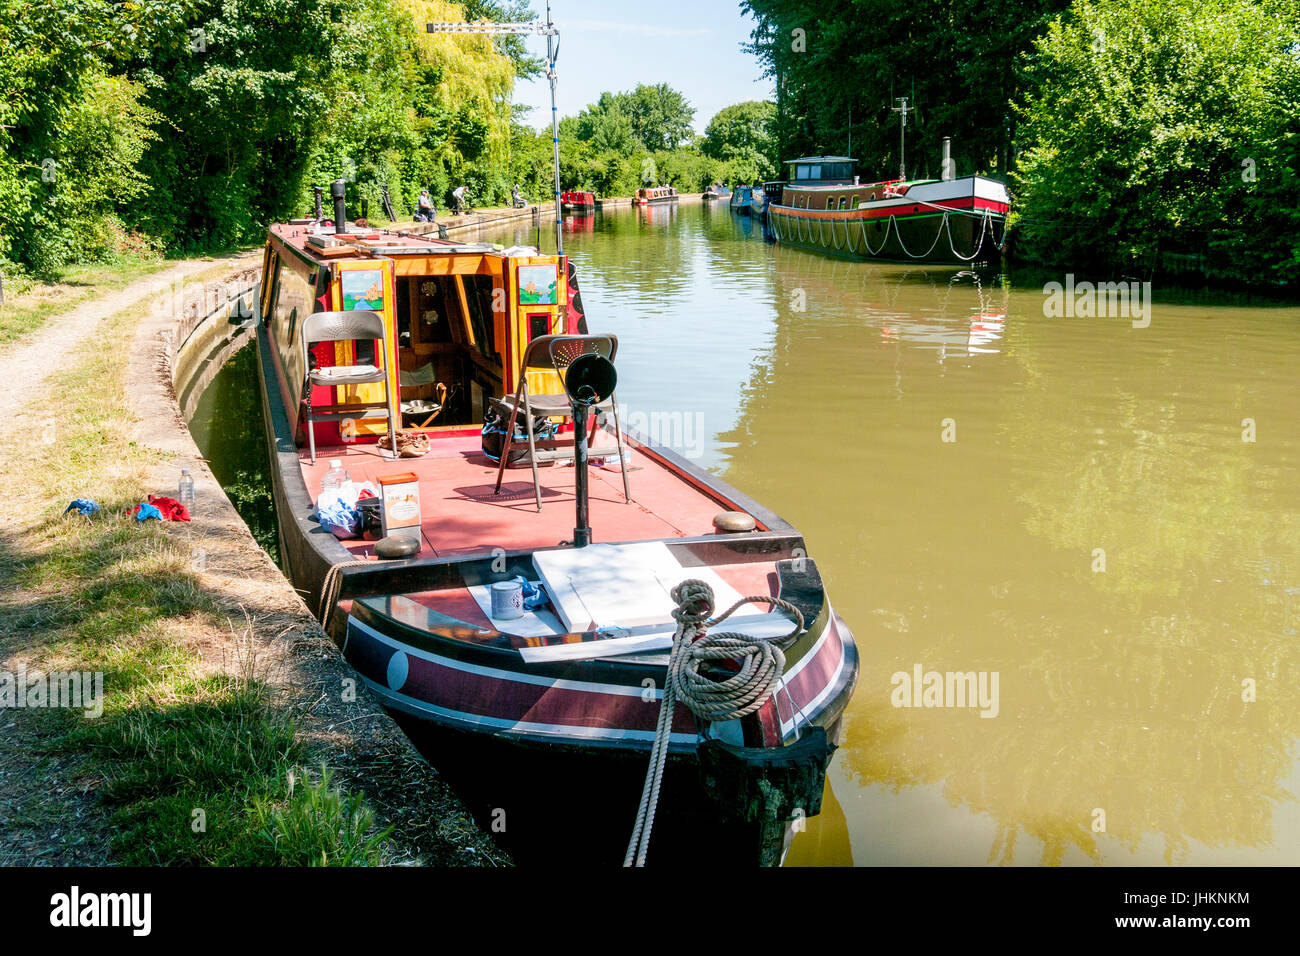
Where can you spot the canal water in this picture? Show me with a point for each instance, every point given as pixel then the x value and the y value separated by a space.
pixel 1102 518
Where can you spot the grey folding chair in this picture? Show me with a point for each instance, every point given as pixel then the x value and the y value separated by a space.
pixel 357 325
pixel 556 353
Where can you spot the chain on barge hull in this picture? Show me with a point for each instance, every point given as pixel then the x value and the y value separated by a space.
pixel 960 222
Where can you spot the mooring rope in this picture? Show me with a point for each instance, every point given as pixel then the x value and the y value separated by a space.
pixel 329 590
pixel 762 661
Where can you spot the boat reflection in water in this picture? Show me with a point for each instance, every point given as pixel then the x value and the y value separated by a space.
pixel 580 223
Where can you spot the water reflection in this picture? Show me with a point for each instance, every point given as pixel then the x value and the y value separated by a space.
pixel 1098 533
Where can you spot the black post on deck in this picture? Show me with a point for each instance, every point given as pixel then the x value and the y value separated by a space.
pixel 582 532
pixel 588 381
pixel 320 192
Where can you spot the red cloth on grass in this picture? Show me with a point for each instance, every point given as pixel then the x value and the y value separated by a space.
pixel 172 510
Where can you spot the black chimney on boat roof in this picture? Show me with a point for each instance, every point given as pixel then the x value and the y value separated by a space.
pixel 320 192
pixel 338 189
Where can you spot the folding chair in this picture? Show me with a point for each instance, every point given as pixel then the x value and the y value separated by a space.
pixel 555 353
pixel 358 325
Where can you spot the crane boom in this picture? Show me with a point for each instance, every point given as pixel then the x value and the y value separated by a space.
pixel 536 28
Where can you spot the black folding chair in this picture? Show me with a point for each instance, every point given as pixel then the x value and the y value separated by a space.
pixel 555 353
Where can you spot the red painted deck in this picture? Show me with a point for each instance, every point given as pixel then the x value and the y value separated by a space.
pixel 460 515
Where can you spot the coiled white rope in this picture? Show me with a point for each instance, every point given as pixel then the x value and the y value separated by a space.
pixel 762 661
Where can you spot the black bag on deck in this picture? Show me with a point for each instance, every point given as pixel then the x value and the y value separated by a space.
pixel 494 434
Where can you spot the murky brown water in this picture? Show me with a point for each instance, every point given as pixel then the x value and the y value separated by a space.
pixel 821 388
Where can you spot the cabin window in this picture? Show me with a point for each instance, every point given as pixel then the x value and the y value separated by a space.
pixel 844 202
pixel 478 290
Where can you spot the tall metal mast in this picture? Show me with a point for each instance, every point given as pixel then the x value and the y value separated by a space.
pixel 536 28
pixel 902 110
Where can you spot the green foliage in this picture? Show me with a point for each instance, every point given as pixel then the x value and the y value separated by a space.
pixel 197 122
pixel 1165 128
pixel 839 64
pixel 652 117
pixel 742 137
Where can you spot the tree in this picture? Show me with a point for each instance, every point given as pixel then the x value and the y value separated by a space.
pixel 1164 127
pixel 741 136
pixel 661 116
pixel 838 66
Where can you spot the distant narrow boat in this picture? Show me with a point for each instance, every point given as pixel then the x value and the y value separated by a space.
pixel 954 222
pixel 741 197
pixel 653 196
pixel 715 193
pixel 578 202
pixel 575 685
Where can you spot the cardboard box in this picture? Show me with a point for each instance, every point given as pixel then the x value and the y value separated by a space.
pixel 401 505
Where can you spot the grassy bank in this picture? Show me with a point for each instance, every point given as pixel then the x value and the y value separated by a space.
pixel 221 708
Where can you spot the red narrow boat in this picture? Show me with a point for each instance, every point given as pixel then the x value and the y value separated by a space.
pixel 571 687
pixel 582 203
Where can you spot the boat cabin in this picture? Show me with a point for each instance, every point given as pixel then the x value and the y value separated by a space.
pixel 830 183
pixel 457 317
pixel 655 194
pixel 822 170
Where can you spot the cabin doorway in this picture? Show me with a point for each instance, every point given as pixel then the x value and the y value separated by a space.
pixel 444 338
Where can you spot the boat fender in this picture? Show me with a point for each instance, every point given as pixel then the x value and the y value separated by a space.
pixel 733 522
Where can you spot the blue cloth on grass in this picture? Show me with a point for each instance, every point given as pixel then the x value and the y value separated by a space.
pixel 85 506
pixel 147 511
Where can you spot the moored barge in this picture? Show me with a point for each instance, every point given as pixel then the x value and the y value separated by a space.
pixel 571 689
pixel 578 202
pixel 655 195
pixel 959 221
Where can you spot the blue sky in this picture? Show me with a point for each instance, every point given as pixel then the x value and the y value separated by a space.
pixel 692 46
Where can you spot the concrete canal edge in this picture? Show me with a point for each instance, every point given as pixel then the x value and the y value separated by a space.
pixel 177 348
pixel 543 212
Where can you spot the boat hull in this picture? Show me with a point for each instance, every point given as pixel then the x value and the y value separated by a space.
pixel 471 708
pixel 950 223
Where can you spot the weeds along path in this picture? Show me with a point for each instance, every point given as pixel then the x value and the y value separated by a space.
pixel 64 337
pixel 230 730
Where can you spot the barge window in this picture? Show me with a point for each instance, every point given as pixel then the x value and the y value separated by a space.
pixel 478 293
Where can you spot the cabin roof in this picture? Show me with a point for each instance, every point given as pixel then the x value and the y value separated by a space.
pixel 363 243
pixel 823 159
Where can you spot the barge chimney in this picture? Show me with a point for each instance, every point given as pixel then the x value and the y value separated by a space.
pixel 947 173
pixel 337 190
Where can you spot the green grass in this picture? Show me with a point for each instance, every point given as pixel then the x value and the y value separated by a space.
pixel 192 763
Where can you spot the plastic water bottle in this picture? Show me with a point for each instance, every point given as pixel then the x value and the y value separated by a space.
pixel 186 494
pixel 335 477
